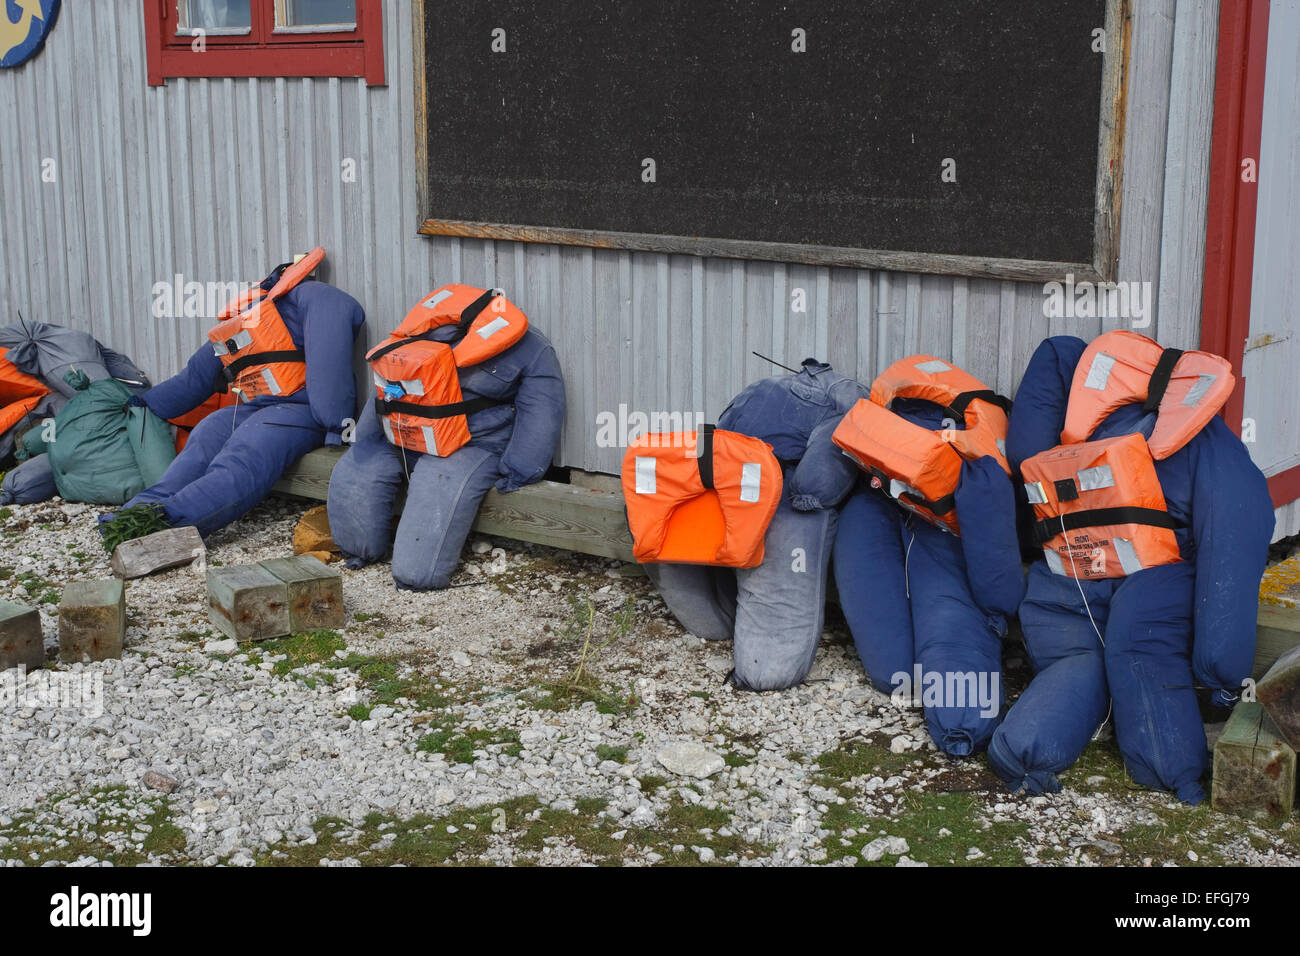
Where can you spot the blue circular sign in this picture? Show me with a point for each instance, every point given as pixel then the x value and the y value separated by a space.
pixel 24 25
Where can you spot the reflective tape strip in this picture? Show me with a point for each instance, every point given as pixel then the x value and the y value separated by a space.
pixel 430 443
pixel 496 325
pixel 1034 492
pixel 1128 559
pixel 1002 444
pixel 1094 479
pixel 1054 561
pixel 933 367
pixel 380 381
pixel 751 480
pixel 271 383
pixel 413 386
pixel 897 488
pixel 645 475
pixel 1099 372
pixel 220 348
pixel 388 429
pixel 243 339
pixel 1203 383
pixel 437 297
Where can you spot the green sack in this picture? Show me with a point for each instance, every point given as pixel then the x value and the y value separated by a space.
pixel 105 452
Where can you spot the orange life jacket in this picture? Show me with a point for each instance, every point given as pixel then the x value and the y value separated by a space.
pixel 918 467
pixel 19 393
pixel 702 497
pixel 417 381
pixel 258 353
pixel 185 423
pixel 1100 509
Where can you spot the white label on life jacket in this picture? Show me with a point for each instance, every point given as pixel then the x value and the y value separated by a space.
pixel 1203 383
pixel 1099 371
pixel 1128 559
pixel 751 480
pixel 1094 479
pixel 430 443
pixel 933 367
pixel 1034 492
pixel 433 300
pixel 645 475
pixel 271 383
pixel 496 325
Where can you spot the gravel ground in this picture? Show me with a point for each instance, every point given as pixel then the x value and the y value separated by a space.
pixel 469 726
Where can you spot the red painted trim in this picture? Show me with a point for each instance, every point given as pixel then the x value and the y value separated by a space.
pixel 356 53
pixel 1284 487
pixel 1230 228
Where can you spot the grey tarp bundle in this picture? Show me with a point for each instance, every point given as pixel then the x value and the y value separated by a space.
pixel 49 352
pixel 775 612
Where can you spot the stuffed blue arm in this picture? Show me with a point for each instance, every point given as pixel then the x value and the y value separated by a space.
pixel 824 475
pixel 986 512
pixel 539 416
pixel 1232 524
pixel 333 319
pixel 189 388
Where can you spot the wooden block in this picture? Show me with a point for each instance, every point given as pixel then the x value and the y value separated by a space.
pixel 315 593
pixel 571 517
pixel 1276 632
pixel 21 641
pixel 248 603
pixel 158 552
pixel 1254 768
pixel 1278 693
pixel 92 620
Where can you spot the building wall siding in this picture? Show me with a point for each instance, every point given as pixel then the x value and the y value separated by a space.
pixel 219 179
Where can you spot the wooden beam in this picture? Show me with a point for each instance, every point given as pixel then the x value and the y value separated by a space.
pixel 1254 769
pixel 569 517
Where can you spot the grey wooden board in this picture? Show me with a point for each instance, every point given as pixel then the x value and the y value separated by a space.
pixel 159 169
pixel 248 603
pixel 21 640
pixel 92 620
pixel 571 517
pixel 314 591
pixel 159 551
pixel 1277 631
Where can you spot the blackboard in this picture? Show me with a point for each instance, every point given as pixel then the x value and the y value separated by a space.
pixel 975 138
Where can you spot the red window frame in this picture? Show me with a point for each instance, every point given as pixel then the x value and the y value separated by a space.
pixel 263 52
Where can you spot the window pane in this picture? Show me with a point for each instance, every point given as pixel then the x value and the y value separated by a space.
pixel 216 14
pixel 302 13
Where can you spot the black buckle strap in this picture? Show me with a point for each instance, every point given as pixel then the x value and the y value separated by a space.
pixel 231 371
pixel 1164 370
pixel 473 310
pixel 940 507
pixel 1048 528
pixel 451 410
pixel 957 407
pixel 704 451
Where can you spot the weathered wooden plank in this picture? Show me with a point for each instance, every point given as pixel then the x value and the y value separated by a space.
pixel 1278 693
pixel 1254 768
pixel 315 593
pixel 560 516
pixel 158 552
pixel 248 603
pixel 92 620
pixel 21 642
pixel 1277 631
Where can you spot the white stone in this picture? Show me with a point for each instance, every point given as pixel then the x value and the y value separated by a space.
pixel 689 759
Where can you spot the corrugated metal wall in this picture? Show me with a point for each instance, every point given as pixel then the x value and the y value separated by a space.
pixel 218 179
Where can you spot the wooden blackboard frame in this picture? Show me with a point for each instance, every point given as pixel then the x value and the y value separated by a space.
pixel 1106 216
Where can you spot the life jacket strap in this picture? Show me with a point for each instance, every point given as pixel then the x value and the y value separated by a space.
pixel 1160 377
pixel 957 407
pixel 1047 528
pixel 939 507
pixel 231 371
pixel 704 446
pixel 473 310
pixel 467 407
